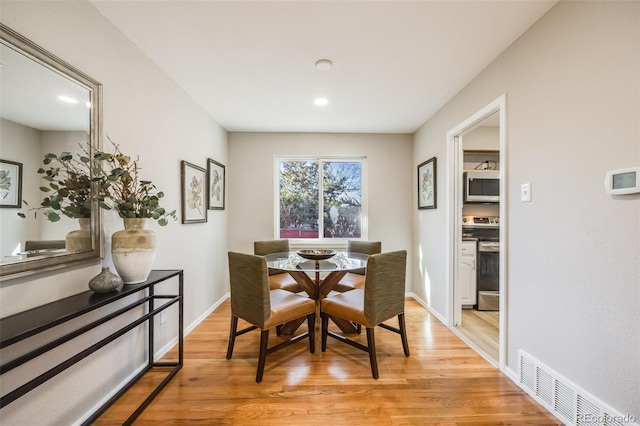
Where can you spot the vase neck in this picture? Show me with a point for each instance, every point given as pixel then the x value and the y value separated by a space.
pixel 134 223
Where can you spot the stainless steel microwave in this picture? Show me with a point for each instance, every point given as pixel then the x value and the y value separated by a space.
pixel 482 186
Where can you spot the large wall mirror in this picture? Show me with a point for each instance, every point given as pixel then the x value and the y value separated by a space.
pixel 46 106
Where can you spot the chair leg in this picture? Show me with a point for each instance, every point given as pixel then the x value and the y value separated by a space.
pixel 232 335
pixel 262 358
pixel 325 326
pixel 403 334
pixel 311 325
pixel 371 348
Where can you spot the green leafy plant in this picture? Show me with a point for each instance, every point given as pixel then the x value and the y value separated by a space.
pixel 68 187
pixel 120 188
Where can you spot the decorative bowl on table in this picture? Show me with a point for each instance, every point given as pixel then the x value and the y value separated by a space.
pixel 316 254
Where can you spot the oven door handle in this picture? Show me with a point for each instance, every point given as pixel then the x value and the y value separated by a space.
pixel 489 247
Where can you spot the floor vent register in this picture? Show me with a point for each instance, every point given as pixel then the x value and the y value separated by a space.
pixel 568 402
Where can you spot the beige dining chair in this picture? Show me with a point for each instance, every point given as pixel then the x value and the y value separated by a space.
pixel 277 279
pixel 43 244
pixel 381 299
pixel 32 245
pixel 355 279
pixel 253 301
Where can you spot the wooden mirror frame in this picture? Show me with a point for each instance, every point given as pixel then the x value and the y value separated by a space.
pixel 15 268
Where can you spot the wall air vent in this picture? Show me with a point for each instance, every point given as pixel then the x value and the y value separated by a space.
pixel 586 410
pixel 544 386
pixel 564 399
pixel 527 373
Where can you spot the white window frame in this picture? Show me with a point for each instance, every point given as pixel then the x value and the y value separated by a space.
pixel 321 241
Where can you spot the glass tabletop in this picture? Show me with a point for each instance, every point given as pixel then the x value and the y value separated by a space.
pixel 342 261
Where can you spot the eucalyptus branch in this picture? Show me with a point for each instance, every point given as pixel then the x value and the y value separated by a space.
pixel 117 176
pixel 67 185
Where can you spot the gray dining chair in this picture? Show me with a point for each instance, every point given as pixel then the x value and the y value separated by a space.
pixel 355 279
pixel 381 299
pixel 253 301
pixel 277 279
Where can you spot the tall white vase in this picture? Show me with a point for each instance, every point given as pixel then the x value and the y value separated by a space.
pixel 133 251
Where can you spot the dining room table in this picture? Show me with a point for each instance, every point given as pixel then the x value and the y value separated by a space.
pixel 317 271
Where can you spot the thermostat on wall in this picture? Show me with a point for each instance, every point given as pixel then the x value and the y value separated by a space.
pixel 622 181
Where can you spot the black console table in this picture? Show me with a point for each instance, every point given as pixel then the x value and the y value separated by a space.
pixel 23 325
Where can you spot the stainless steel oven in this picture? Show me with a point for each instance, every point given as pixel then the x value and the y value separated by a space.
pixel 486 230
pixel 488 275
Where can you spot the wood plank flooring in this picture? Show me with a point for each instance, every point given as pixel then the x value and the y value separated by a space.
pixel 443 382
pixel 482 328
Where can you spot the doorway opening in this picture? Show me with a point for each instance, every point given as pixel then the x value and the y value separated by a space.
pixel 477 236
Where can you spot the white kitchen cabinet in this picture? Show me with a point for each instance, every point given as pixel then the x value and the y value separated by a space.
pixel 467 273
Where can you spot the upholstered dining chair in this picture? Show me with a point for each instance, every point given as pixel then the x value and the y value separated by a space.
pixel 277 279
pixel 381 299
pixel 30 245
pixel 355 279
pixel 253 301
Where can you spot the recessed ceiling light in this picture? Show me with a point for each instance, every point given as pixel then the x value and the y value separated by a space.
pixel 68 99
pixel 321 101
pixel 324 65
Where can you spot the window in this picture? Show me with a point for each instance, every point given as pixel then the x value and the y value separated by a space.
pixel 319 198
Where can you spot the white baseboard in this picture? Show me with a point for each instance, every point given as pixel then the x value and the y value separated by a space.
pixel 425 305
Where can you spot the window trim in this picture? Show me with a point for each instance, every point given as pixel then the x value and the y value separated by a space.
pixel 321 241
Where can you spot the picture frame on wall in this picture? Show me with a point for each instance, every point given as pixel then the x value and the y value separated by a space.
pixel 10 184
pixel 216 185
pixel 193 183
pixel 427 184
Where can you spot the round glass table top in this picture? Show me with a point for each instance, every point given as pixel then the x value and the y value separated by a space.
pixel 342 261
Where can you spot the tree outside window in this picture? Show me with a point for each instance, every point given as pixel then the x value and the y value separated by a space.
pixel 320 198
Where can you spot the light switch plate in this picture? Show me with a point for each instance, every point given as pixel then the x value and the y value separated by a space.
pixel 525 192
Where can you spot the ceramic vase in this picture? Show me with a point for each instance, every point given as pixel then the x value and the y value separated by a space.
pixel 105 281
pixel 79 239
pixel 133 251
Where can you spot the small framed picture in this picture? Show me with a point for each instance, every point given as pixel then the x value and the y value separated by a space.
pixel 194 183
pixel 10 184
pixel 217 182
pixel 427 188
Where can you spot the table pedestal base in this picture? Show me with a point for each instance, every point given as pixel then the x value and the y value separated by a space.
pixel 318 290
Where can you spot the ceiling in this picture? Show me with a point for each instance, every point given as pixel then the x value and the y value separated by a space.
pixel 251 64
pixel 31 95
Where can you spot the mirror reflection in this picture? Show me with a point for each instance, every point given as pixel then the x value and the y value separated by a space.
pixel 46 107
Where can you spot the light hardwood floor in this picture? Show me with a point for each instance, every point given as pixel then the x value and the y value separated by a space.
pixel 482 328
pixel 443 382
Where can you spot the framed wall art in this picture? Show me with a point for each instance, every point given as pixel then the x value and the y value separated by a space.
pixel 427 188
pixel 10 184
pixel 194 183
pixel 217 183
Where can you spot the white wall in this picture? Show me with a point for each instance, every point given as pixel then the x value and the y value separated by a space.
pixel 251 182
pixel 482 138
pixel 573 106
pixel 14 231
pixel 149 116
